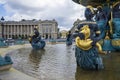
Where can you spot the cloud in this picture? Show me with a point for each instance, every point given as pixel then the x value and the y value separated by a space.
pixel 63 28
pixel 2 1
pixel 65 12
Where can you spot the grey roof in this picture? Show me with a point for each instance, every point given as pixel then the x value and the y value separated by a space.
pixel 27 22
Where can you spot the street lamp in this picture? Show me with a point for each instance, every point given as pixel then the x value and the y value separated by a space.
pixel 2 24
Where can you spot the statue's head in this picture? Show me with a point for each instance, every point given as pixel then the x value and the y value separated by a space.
pixel 91 9
pixel 89 13
pixel 69 32
pixel 36 28
pixel 99 8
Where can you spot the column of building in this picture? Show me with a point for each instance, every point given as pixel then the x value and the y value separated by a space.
pixel 53 31
pixel 8 31
pixel 27 30
pixel 4 31
pixel 21 30
pixel 56 31
pixel 0 31
pixel 11 31
pixel 16 31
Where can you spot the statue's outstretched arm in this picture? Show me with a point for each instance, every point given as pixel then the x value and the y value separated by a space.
pixel 100 48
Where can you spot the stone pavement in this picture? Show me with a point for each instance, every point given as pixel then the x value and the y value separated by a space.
pixel 13 74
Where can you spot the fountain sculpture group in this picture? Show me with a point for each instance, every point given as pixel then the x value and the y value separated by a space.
pixel 69 39
pixel 36 41
pixel 2 43
pixel 5 62
pixel 99 33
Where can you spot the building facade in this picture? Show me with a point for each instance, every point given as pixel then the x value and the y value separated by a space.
pixel 63 33
pixel 24 28
pixel 75 24
pixel 48 29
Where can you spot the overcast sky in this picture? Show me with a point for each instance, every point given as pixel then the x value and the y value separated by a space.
pixel 65 12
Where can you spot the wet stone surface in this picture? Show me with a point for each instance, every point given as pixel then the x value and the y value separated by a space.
pixel 57 62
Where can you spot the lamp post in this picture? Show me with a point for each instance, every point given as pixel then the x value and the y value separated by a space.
pixel 2 24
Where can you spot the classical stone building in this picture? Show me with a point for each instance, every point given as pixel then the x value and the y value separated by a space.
pixel 14 29
pixel 63 33
pixel 48 29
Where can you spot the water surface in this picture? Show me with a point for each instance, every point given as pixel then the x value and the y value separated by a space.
pixel 57 62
